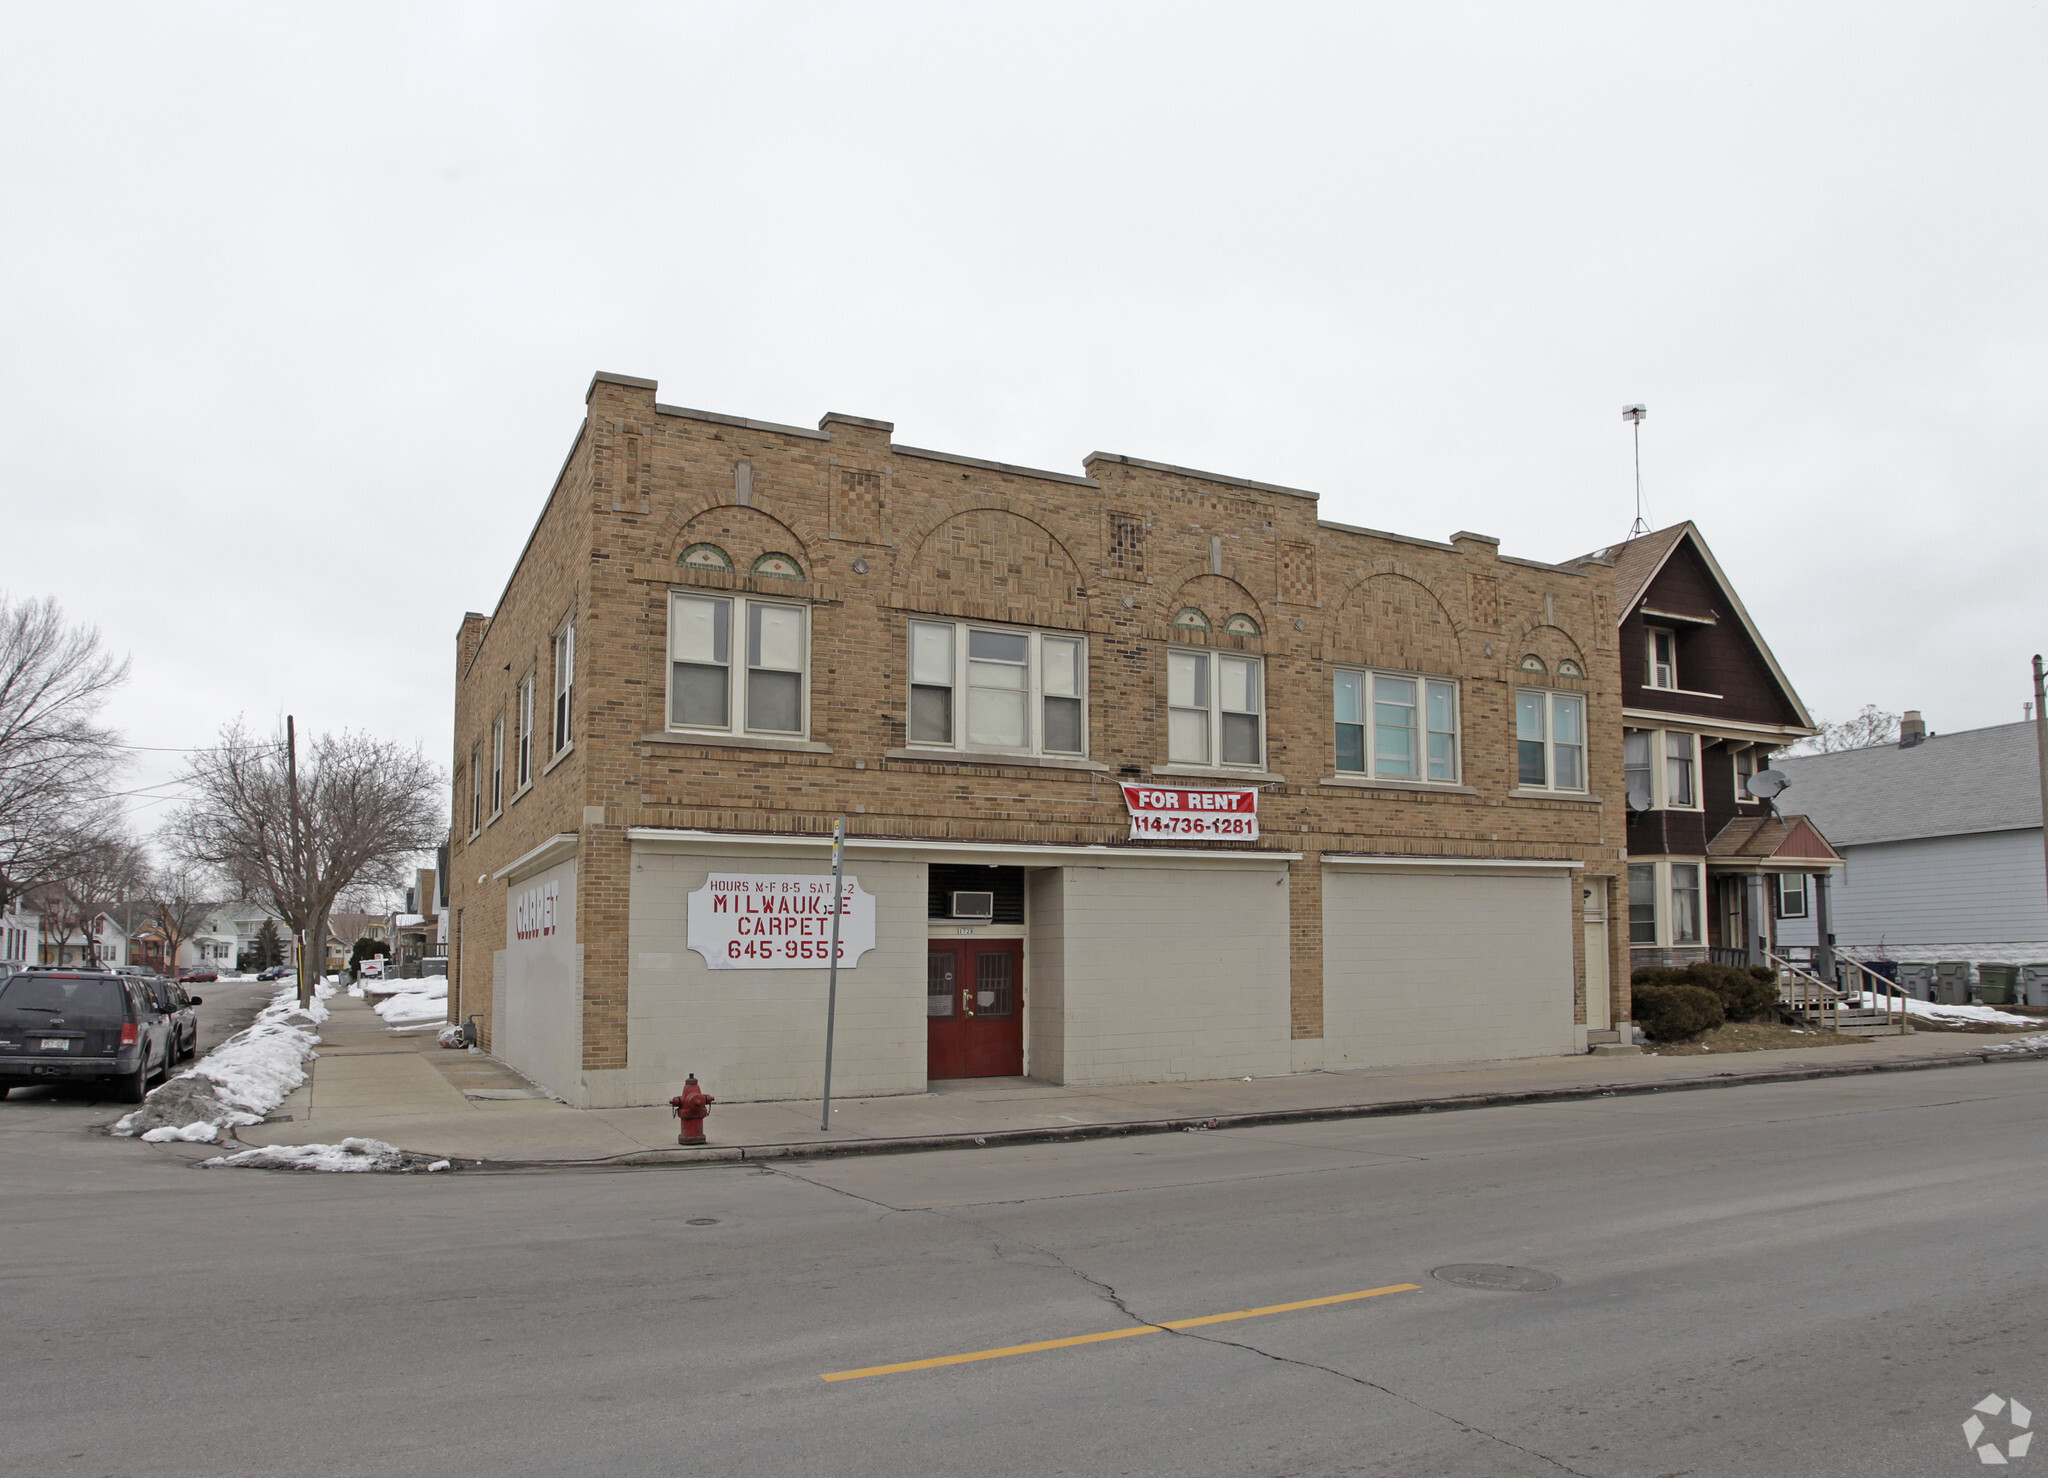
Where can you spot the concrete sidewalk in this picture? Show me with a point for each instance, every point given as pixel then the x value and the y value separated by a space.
pixel 400 1086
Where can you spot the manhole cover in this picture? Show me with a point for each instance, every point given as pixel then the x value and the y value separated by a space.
pixel 712 1221
pixel 1496 1277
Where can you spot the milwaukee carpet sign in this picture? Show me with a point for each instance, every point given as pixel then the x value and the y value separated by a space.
pixel 1157 811
pixel 751 921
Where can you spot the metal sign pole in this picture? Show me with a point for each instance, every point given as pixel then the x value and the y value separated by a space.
pixel 832 973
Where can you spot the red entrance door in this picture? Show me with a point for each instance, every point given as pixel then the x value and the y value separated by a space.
pixel 973 1008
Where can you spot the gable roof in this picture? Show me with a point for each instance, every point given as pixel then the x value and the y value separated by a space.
pixel 1780 839
pixel 1946 785
pixel 1638 562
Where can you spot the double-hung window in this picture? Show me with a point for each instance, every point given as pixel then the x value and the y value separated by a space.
pixel 1642 903
pixel 1679 767
pixel 1685 903
pixel 1663 655
pixel 1745 769
pixel 523 741
pixel 476 790
pixel 1791 895
pixel 997 689
pixel 737 665
pixel 1550 740
pixel 1635 764
pixel 565 683
pixel 498 764
pixel 1215 709
pixel 1396 726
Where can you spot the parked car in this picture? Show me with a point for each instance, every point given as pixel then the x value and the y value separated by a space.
pixel 173 1000
pixel 60 1025
pixel 434 967
pixel 199 977
pixel 275 972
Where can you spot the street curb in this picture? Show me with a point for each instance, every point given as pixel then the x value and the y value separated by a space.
pixel 1068 1133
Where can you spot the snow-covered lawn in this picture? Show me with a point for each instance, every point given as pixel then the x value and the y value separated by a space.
pixel 1934 1011
pixel 239 1081
pixel 422 1000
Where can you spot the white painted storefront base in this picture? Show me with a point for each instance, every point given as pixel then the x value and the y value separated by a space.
pixel 1434 967
pixel 1138 968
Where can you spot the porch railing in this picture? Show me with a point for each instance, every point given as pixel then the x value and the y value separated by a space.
pixel 1719 955
pixel 1806 992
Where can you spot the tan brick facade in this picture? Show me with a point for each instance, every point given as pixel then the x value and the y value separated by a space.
pixel 882 533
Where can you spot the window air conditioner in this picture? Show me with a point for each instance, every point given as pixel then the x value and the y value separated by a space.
pixel 974 906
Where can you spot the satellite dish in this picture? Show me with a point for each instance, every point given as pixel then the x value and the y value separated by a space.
pixel 1766 783
pixel 1639 800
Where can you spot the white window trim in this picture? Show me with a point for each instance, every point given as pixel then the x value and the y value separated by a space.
pixel 476 795
pixel 1805 895
pixel 1660 771
pixel 1550 697
pixel 522 774
pixel 1216 762
pixel 736 669
pixel 497 768
pixel 1650 635
pixel 1422 731
pixel 1667 903
pixel 562 701
pixel 1034 690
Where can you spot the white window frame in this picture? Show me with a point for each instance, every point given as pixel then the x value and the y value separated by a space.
pixel 497 767
pixel 1551 698
pixel 1785 911
pixel 1370 678
pixel 1652 635
pixel 1742 764
pixel 737 665
pixel 564 712
pixel 476 791
pixel 1661 759
pixel 523 737
pixel 959 689
pixel 1212 708
pixel 1664 876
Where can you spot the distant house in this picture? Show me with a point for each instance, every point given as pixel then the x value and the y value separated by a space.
pixel 1705 706
pixel 21 932
pixel 103 941
pixel 1942 836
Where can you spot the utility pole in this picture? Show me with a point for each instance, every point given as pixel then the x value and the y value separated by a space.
pixel 2041 751
pixel 291 770
pixel 832 974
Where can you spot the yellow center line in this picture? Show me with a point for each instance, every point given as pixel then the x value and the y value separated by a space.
pixel 1109 1334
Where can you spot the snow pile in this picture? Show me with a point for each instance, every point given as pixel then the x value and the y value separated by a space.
pixel 1981 1015
pixel 350 1154
pixel 199 1133
pixel 242 1079
pixel 427 1002
pixel 2036 1043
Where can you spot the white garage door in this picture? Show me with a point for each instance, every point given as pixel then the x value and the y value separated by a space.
pixel 1427 967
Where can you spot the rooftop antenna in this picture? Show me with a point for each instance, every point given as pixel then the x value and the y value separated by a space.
pixel 1633 414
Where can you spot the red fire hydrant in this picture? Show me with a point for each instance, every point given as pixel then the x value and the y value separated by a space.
pixel 691 1105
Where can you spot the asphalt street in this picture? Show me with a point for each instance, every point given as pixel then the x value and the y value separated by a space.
pixel 1808 1278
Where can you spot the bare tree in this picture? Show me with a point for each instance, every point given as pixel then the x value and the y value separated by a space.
pixel 96 879
pixel 1869 727
pixel 56 762
pixel 177 900
pixel 364 807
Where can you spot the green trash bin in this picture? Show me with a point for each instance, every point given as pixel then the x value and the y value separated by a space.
pixel 1998 985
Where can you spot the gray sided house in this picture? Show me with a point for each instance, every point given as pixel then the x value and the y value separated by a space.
pixel 1942 835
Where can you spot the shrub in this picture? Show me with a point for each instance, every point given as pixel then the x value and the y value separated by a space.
pixel 1745 991
pixel 1671 1013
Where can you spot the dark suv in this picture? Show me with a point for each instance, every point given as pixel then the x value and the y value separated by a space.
pixel 66 1025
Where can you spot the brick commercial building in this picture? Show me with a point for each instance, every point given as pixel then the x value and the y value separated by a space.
pixel 1149 774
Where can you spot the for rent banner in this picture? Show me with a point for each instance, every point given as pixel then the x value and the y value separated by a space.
pixel 1199 815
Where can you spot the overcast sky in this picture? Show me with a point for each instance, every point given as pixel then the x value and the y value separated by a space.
pixel 301 301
